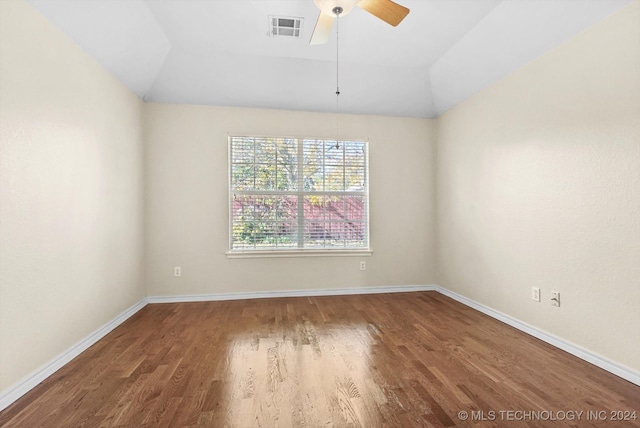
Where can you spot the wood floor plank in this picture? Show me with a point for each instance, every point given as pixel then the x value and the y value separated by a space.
pixel 407 359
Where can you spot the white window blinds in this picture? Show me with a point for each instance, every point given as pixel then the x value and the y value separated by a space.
pixel 297 194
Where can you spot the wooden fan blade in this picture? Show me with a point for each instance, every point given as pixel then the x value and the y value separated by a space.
pixel 322 30
pixel 390 12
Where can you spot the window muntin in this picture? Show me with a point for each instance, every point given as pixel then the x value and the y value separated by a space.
pixel 298 194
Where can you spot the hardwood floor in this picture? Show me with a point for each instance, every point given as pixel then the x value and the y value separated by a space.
pixel 410 359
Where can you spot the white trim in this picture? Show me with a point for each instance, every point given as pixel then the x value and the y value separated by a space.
pixel 289 293
pixel 239 254
pixel 34 378
pixel 575 350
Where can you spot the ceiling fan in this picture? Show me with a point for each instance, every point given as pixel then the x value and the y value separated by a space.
pixel 390 12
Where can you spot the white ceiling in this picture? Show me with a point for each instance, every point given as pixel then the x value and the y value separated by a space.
pixel 219 52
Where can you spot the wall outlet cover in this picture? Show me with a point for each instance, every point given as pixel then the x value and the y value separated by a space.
pixel 535 294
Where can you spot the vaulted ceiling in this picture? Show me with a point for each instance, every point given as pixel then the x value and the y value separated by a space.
pixel 220 52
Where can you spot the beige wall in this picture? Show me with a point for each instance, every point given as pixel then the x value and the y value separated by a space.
pixel 538 184
pixel 188 214
pixel 70 194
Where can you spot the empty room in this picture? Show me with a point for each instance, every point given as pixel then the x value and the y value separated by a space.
pixel 288 213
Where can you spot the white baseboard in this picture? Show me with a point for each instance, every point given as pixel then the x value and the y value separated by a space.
pixel 584 354
pixel 30 381
pixel 289 293
pixel 597 360
pixel 34 378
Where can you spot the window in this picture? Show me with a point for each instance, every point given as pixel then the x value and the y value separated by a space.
pixel 298 194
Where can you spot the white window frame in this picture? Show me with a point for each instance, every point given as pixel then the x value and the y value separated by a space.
pixel 300 193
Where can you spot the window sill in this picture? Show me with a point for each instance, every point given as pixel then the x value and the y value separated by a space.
pixel 297 253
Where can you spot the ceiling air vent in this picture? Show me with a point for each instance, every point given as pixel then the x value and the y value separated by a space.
pixel 285 26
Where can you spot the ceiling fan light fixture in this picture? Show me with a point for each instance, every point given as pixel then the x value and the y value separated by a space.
pixel 327 6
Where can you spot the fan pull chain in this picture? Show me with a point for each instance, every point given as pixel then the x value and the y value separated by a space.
pixel 337 10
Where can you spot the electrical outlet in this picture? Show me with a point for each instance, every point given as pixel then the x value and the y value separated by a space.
pixel 535 293
pixel 555 298
pixel 177 271
pixel 363 265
